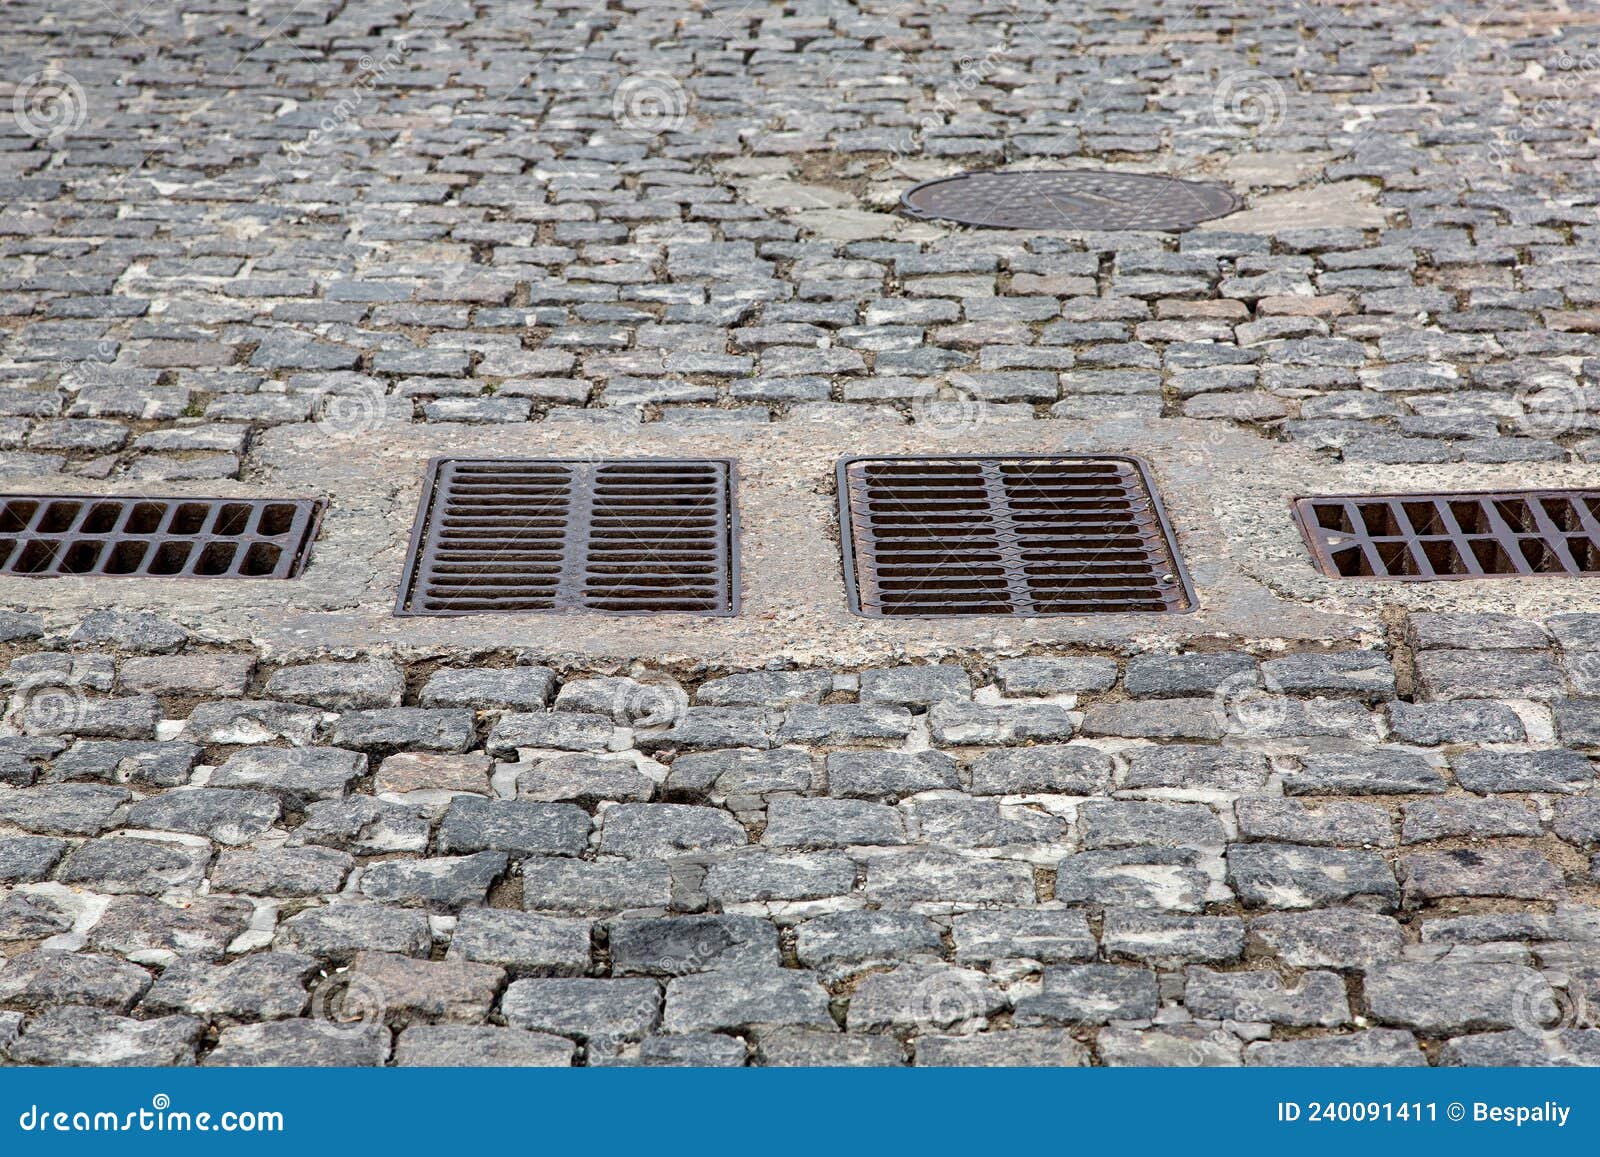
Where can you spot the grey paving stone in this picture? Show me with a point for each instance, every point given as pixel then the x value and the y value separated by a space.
pixel 1047 676
pixel 26 859
pixel 1445 998
pixel 1445 817
pixel 363 826
pixel 1131 823
pixel 1316 999
pixel 226 815
pixel 915 686
pixel 939 878
pixel 1564 1048
pixel 1177 718
pixel 1050 768
pixel 1386 771
pixel 486 688
pixel 1370 1048
pixel 1179 1046
pixel 1191 767
pixel 708 728
pixel 471 824
pixel 1461 721
pixel 1272 875
pixel 145 866
pixel 1014 1047
pixel 1168 941
pixel 1172 676
pixel 656 831
pixel 676 946
pixel 1049 936
pixel 1342 938
pixel 411 990
pixel 841 724
pixel 1519 873
pixel 294 774
pixel 603 1013
pixel 889 775
pixel 840 944
pixel 522 943
pixel 252 721
pixel 1334 823
pixel 43 979
pixel 421 728
pixel 88 1037
pixel 773 689
pixel 1503 771
pixel 480 1046
pixel 440 883
pixel 585 780
pixel 820 1048
pixel 579 887
pixel 339 930
pixel 922 996
pixel 129 631
pixel 339 686
pixel 1090 994
pixel 311 1043
pixel 1138 877
pixel 261 986
pixel 142 928
pixel 1463 674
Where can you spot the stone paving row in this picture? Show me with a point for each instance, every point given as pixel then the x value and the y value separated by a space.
pixel 1207 857
pixel 270 213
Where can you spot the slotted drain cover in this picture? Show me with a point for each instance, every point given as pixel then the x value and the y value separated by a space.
pixel 1069 535
pixel 1453 536
pixel 644 536
pixel 51 535
pixel 1070 199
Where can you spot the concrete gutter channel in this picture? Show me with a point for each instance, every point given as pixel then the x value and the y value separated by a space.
pixel 1226 494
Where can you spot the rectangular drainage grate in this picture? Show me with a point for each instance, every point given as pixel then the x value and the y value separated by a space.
pixel 1064 535
pixel 1453 536
pixel 641 536
pixel 51 535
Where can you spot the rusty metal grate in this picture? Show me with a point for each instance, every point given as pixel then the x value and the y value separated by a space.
pixel 1064 535
pixel 642 536
pixel 1069 199
pixel 1453 536
pixel 52 535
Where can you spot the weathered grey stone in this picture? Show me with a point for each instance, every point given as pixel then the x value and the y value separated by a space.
pixel 1131 823
pixel 165 764
pixel 820 1048
pixel 227 815
pixel 655 831
pixel 130 864
pixel 364 826
pixel 44 979
pixel 522 943
pixel 1085 994
pixel 210 675
pixel 1460 721
pixel 1387 771
pixel 421 728
pixel 758 875
pixel 601 1012
pixel 25 859
pixel 339 686
pixel 1493 772
pixel 1328 938
pixel 915 686
pixel 1142 877
pixel 441 883
pixel 472 824
pixel 840 944
pixel 295 775
pixel 67 809
pixel 1477 632
pixel 479 1046
pixel 1055 676
pixel 1563 1048
pixel 312 1043
pixel 1577 820
pixel 821 823
pixel 980 823
pixel 555 885
pixel 941 878
pixel 144 929
pixel 710 728
pixel 841 723
pixel 1333 823
pixel 1172 676
pixel 1292 876
pixel 583 779
pixel 338 931
pixel 1489 674
pixel 408 771
pixel 252 721
pixel 1448 816
pixel 262 986
pixel 1193 767
pixel 91 1038
pixel 1183 1046
pixel 889 775
pixel 676 946
pixel 1260 995
pixel 1371 1048
pixel 1025 1047
pixel 774 689
pixel 1439 998
pixel 1054 769
pixel 922 996
pixel 959 724
pixel 1364 673
pixel 487 688
pixel 1047 935
pixel 549 730
pixel 129 631
pixel 1156 719
pixel 411 990
pixel 1519 873
pixel 1168 941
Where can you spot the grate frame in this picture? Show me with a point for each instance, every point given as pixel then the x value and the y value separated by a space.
pixel 142 536
pixel 566 593
pixel 1480 534
pixel 857 542
pixel 1074 199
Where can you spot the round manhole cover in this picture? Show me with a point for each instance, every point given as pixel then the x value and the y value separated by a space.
pixel 1069 199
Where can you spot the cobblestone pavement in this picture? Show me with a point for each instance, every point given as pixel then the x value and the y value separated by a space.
pixel 223 218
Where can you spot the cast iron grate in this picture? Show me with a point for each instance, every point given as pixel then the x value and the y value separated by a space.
pixel 642 536
pixel 52 535
pixel 1063 535
pixel 1069 199
pixel 1453 536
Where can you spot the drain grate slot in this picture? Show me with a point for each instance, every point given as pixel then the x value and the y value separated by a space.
pixel 57 535
pixel 1007 536
pixel 1069 199
pixel 506 535
pixel 1453 536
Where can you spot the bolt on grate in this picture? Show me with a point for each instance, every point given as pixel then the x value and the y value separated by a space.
pixel 1010 535
pixel 1453 535
pixel 641 536
pixel 52 535
pixel 1069 199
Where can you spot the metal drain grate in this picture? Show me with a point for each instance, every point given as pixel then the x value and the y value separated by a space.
pixel 51 535
pixel 1069 199
pixel 1069 535
pixel 644 536
pixel 1453 536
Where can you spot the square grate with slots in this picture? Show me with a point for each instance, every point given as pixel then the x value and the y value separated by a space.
pixel 640 536
pixel 1060 535
pixel 52 535
pixel 1453 536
